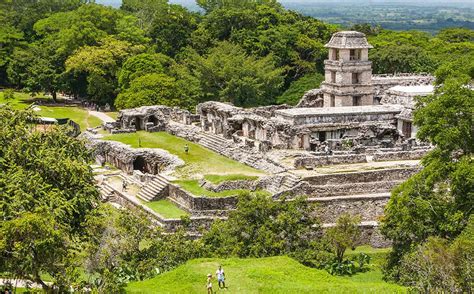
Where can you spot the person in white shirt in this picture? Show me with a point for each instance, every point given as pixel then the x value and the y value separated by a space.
pixel 209 284
pixel 220 277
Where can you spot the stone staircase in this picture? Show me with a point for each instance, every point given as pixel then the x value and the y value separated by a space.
pixel 215 143
pixel 238 152
pixel 153 189
pixel 290 181
pixel 287 182
pixel 105 191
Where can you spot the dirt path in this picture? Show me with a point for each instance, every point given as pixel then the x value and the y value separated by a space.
pixel 102 116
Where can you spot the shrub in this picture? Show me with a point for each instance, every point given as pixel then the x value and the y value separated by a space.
pixel 8 94
pixel 261 226
pixel 440 266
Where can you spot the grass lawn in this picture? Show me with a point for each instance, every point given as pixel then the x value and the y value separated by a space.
pixel 199 161
pixel 166 208
pixel 76 114
pixel 194 188
pixel 217 179
pixel 279 274
pixel 79 115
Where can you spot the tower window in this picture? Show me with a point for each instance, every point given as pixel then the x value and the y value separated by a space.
pixel 333 101
pixel 356 101
pixel 335 54
pixel 333 77
pixel 355 78
pixel 355 54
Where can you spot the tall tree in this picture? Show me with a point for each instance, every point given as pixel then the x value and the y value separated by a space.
pixel 46 190
pixel 228 74
pixel 438 200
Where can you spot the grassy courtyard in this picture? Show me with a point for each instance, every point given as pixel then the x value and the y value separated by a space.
pixel 198 162
pixel 279 274
pixel 79 115
pixel 166 208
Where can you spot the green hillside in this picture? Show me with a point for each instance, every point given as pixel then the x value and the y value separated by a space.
pixel 264 275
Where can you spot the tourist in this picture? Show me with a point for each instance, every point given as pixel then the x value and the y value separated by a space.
pixel 220 277
pixel 186 148
pixel 209 284
pixel 124 185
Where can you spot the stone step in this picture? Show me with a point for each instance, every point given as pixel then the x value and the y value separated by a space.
pixel 153 189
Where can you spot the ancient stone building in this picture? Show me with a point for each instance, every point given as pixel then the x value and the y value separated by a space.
pixel 348 71
pixel 352 108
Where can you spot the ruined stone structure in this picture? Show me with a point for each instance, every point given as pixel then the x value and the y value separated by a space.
pixel 348 71
pixel 359 118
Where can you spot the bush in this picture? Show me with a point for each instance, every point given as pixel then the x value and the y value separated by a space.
pixel 261 226
pixel 8 94
pixel 440 266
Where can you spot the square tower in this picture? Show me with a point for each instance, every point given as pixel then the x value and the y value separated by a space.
pixel 348 71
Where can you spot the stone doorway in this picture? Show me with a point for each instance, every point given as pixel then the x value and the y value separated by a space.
pixel 140 164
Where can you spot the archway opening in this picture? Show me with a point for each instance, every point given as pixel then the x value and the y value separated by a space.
pixel 140 164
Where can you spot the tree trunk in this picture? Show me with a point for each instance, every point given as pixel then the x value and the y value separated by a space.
pixel 45 287
pixel 54 94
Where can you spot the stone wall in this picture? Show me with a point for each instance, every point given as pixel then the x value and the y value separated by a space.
pixel 400 155
pixel 384 82
pixel 194 203
pixel 363 176
pixel 315 161
pixel 368 209
pixel 124 157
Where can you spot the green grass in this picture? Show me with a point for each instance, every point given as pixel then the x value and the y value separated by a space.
pixel 217 179
pixel 194 188
pixel 76 114
pixel 80 116
pixel 113 114
pixel 264 275
pixel 198 162
pixel 166 208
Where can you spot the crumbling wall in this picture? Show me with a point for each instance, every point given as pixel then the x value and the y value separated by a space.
pixel 363 176
pixel 195 203
pixel 126 158
pixel 384 82
pixel 315 161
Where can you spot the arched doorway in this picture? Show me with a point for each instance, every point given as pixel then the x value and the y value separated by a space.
pixel 140 164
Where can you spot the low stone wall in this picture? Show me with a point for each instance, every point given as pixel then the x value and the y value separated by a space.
pixel 368 209
pixel 315 161
pixel 170 225
pixel 351 188
pixel 230 185
pixel 400 155
pixel 363 176
pixel 306 189
pixel 194 203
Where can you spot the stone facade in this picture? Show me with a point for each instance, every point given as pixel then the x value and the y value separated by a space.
pixel 354 118
pixel 348 71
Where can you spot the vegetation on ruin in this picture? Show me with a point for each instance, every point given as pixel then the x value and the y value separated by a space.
pixel 217 179
pixel 199 160
pixel 194 187
pixel 166 208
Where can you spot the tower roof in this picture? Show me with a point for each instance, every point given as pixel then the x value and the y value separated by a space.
pixel 348 40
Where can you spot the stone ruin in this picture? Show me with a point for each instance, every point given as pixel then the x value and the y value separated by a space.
pixel 355 117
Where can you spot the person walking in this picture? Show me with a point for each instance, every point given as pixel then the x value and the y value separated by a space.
pixel 209 284
pixel 220 277
pixel 124 185
pixel 186 148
